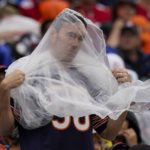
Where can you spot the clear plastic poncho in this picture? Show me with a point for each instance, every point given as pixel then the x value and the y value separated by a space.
pixel 68 74
pixel 144 124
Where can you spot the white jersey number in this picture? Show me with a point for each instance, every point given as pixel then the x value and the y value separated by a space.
pixel 63 125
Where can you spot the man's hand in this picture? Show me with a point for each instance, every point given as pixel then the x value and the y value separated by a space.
pixel 13 80
pixel 121 75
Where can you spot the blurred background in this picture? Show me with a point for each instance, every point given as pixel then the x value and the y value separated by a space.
pixel 126 27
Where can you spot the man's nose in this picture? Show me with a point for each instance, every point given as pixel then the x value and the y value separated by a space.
pixel 76 42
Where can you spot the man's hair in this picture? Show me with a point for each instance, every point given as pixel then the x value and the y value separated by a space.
pixel 70 19
pixel 82 20
pixel 140 147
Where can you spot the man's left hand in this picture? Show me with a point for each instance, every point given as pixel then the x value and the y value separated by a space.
pixel 121 75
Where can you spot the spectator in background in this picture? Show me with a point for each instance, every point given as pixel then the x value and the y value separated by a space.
pixel 124 10
pixel 101 143
pixel 129 49
pixel 24 45
pixel 127 40
pixel 13 25
pixel 144 26
pixel 29 8
pixel 49 9
pixel 97 142
pixel 130 133
pixel 98 13
pixel 14 30
pixel 143 8
pixel 107 29
pixel 5 54
pixel 125 13
pixel 122 13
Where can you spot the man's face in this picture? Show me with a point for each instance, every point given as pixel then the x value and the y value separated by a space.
pixel 68 41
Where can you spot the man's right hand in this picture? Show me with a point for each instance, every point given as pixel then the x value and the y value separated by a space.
pixel 13 80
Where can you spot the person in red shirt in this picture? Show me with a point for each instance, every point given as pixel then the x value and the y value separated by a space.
pixel 143 8
pixel 98 13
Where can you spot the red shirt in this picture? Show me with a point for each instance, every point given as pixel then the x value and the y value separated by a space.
pixel 2 147
pixel 98 13
pixel 30 10
pixel 142 11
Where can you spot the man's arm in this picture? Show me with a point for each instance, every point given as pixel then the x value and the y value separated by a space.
pixel 114 126
pixel 6 116
pixel 11 81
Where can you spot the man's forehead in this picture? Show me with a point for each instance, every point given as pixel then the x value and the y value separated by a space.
pixel 75 27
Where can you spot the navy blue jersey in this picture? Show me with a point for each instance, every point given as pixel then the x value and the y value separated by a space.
pixel 62 134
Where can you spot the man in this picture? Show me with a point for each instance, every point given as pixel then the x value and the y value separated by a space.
pixel 61 133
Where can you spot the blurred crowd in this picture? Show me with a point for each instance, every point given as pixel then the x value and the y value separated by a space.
pixel 126 27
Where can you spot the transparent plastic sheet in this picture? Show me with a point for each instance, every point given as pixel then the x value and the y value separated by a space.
pixel 68 74
pixel 144 123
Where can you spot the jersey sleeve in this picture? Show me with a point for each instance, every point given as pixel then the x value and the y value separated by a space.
pixel 99 124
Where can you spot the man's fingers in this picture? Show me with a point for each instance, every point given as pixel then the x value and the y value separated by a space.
pixel 14 79
pixel 121 75
pixel 123 80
